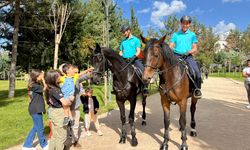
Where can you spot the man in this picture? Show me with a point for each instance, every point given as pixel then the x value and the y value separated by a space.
pixel 130 50
pixel 246 75
pixel 184 43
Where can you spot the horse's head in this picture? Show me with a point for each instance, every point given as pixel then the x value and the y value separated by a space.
pixel 153 57
pixel 98 61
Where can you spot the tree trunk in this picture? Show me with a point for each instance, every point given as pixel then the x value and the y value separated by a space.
pixel 56 51
pixel 12 75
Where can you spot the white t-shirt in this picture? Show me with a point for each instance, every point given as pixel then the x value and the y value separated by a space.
pixel 247 70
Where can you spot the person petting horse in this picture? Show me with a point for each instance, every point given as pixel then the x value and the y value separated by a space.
pixel 130 50
pixel 184 45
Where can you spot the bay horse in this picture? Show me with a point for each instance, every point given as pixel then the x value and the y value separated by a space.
pixel 126 85
pixel 175 85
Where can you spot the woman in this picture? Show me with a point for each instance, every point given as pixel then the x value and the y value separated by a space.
pixel 56 101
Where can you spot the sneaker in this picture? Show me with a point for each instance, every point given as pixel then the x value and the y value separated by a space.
pixel 248 106
pixel 27 148
pixel 65 121
pixel 88 133
pixel 46 147
pixel 99 132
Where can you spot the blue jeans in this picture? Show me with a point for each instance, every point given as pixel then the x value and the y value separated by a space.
pixel 37 128
pixel 138 63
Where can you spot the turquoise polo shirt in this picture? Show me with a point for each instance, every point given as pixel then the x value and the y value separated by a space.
pixel 129 45
pixel 183 41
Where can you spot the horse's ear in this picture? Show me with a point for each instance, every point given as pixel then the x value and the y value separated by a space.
pixel 144 40
pixel 97 48
pixel 162 39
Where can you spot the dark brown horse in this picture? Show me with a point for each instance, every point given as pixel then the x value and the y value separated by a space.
pixel 126 84
pixel 174 86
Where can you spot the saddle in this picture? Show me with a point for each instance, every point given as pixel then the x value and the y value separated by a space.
pixel 132 72
pixel 190 71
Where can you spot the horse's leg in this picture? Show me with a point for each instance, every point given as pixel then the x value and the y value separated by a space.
pixel 192 110
pixel 143 123
pixel 123 119
pixel 166 110
pixel 183 107
pixel 131 120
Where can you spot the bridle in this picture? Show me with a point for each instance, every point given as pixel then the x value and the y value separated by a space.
pixel 103 61
pixel 157 66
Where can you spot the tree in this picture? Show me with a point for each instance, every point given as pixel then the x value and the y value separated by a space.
pixel 61 13
pixel 4 64
pixel 171 25
pixel 12 75
pixel 134 23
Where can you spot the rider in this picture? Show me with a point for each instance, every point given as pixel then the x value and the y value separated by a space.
pixel 130 50
pixel 184 44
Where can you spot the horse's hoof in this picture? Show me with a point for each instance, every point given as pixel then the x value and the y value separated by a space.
pixel 122 141
pixel 134 142
pixel 193 133
pixel 143 123
pixel 164 147
pixel 184 147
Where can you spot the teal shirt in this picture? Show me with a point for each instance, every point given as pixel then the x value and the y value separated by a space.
pixel 183 41
pixel 128 46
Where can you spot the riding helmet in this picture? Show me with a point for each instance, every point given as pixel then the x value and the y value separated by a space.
pixel 125 27
pixel 186 18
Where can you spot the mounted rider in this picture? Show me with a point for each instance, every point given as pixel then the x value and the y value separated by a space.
pixel 130 50
pixel 184 44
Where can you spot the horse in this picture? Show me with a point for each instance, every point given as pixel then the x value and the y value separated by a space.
pixel 174 86
pixel 126 85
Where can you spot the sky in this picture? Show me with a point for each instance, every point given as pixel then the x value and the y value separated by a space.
pixel 221 15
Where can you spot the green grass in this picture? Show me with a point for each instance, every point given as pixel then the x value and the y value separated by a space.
pixel 15 120
pixel 236 76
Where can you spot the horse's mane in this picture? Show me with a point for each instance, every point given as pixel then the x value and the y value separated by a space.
pixel 110 53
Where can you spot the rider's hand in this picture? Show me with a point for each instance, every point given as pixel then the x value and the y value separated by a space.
pixel 133 59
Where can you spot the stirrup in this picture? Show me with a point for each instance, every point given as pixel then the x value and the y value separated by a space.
pixel 197 96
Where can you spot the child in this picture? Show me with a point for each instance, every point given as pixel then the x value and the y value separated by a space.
pixel 36 108
pixel 55 99
pixel 68 89
pixel 90 108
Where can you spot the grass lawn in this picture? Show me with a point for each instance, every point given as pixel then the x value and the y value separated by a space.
pixel 15 120
pixel 236 76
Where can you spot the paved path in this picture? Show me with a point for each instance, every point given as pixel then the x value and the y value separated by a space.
pixel 223 122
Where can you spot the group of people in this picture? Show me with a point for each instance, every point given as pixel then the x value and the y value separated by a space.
pixel 184 43
pixel 64 94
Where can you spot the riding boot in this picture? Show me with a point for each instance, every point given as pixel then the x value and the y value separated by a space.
pixel 197 91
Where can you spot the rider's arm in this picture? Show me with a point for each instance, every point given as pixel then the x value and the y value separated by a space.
pixel 138 51
pixel 194 49
pixel 194 45
pixel 172 41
